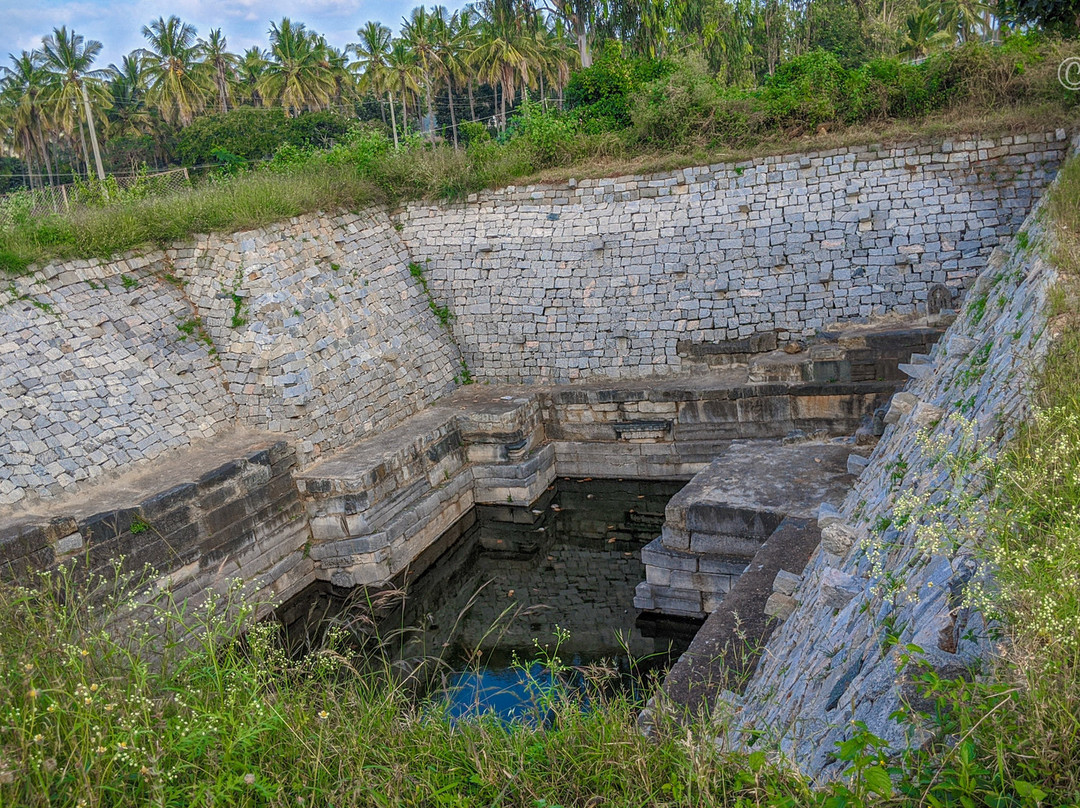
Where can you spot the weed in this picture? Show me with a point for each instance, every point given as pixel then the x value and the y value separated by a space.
pixel 897 469
pixel 976 366
pixel 129 282
pixel 442 313
pixel 464 376
pixel 977 309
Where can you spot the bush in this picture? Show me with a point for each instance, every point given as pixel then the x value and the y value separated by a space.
pixel 807 91
pixel 679 107
pixel 472 132
pixel 885 88
pixel 601 96
pixel 256 134
pixel 251 134
pixel 547 136
pixel 317 130
pixel 364 146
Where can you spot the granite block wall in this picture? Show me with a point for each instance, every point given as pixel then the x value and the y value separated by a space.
pixel 877 584
pixel 321 331
pixel 313 329
pixel 96 373
pixel 606 277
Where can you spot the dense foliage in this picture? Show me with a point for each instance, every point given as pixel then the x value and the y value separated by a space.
pixel 254 134
pixel 188 99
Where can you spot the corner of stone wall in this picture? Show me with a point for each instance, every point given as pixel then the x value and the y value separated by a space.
pixel 884 593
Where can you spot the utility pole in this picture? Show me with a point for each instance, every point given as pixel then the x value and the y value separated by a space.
pixel 93 134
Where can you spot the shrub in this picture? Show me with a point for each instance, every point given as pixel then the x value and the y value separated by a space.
pixel 601 95
pixel 256 134
pixel 885 88
pixel 547 136
pixel 251 134
pixel 317 130
pixel 472 132
pixel 806 91
pixel 678 107
pixel 364 146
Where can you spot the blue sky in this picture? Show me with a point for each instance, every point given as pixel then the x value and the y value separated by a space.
pixel 118 23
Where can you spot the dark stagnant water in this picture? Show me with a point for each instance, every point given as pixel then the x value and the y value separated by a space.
pixel 507 585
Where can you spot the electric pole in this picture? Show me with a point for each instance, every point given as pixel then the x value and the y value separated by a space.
pixel 93 133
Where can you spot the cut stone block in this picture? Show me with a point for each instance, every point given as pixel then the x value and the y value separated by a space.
pixel 838 588
pixel 837 539
pixel 786 582
pixel 780 606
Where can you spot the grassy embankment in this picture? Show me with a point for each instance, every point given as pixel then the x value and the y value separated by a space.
pixel 682 118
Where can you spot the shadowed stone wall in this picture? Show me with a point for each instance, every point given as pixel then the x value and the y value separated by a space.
pixel 880 584
pixel 622 277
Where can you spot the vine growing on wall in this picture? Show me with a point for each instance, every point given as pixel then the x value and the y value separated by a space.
pixel 444 316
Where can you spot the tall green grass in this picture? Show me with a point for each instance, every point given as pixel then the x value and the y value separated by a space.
pixel 228 204
pixel 107 703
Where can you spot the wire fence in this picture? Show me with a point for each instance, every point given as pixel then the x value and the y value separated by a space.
pixel 46 199
pixel 62 198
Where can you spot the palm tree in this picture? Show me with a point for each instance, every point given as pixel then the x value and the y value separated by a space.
pixel 468 35
pixel 578 14
pixel 336 64
pixel 924 33
pixel 450 58
pixel 554 57
pixel 23 87
pixel 404 76
pixel 967 18
pixel 177 85
pixel 295 75
pixel 130 86
pixel 68 57
pixel 372 55
pixel 419 33
pixel 501 58
pixel 220 64
pixel 249 72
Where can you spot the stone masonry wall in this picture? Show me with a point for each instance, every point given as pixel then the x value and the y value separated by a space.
pixel 316 330
pixel 322 332
pixel 313 329
pixel 606 277
pixel 96 374
pixel 879 581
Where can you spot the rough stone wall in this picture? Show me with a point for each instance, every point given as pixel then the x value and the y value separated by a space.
pixel 242 519
pixel 95 374
pixel 322 332
pixel 605 277
pixel 313 329
pixel 878 582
